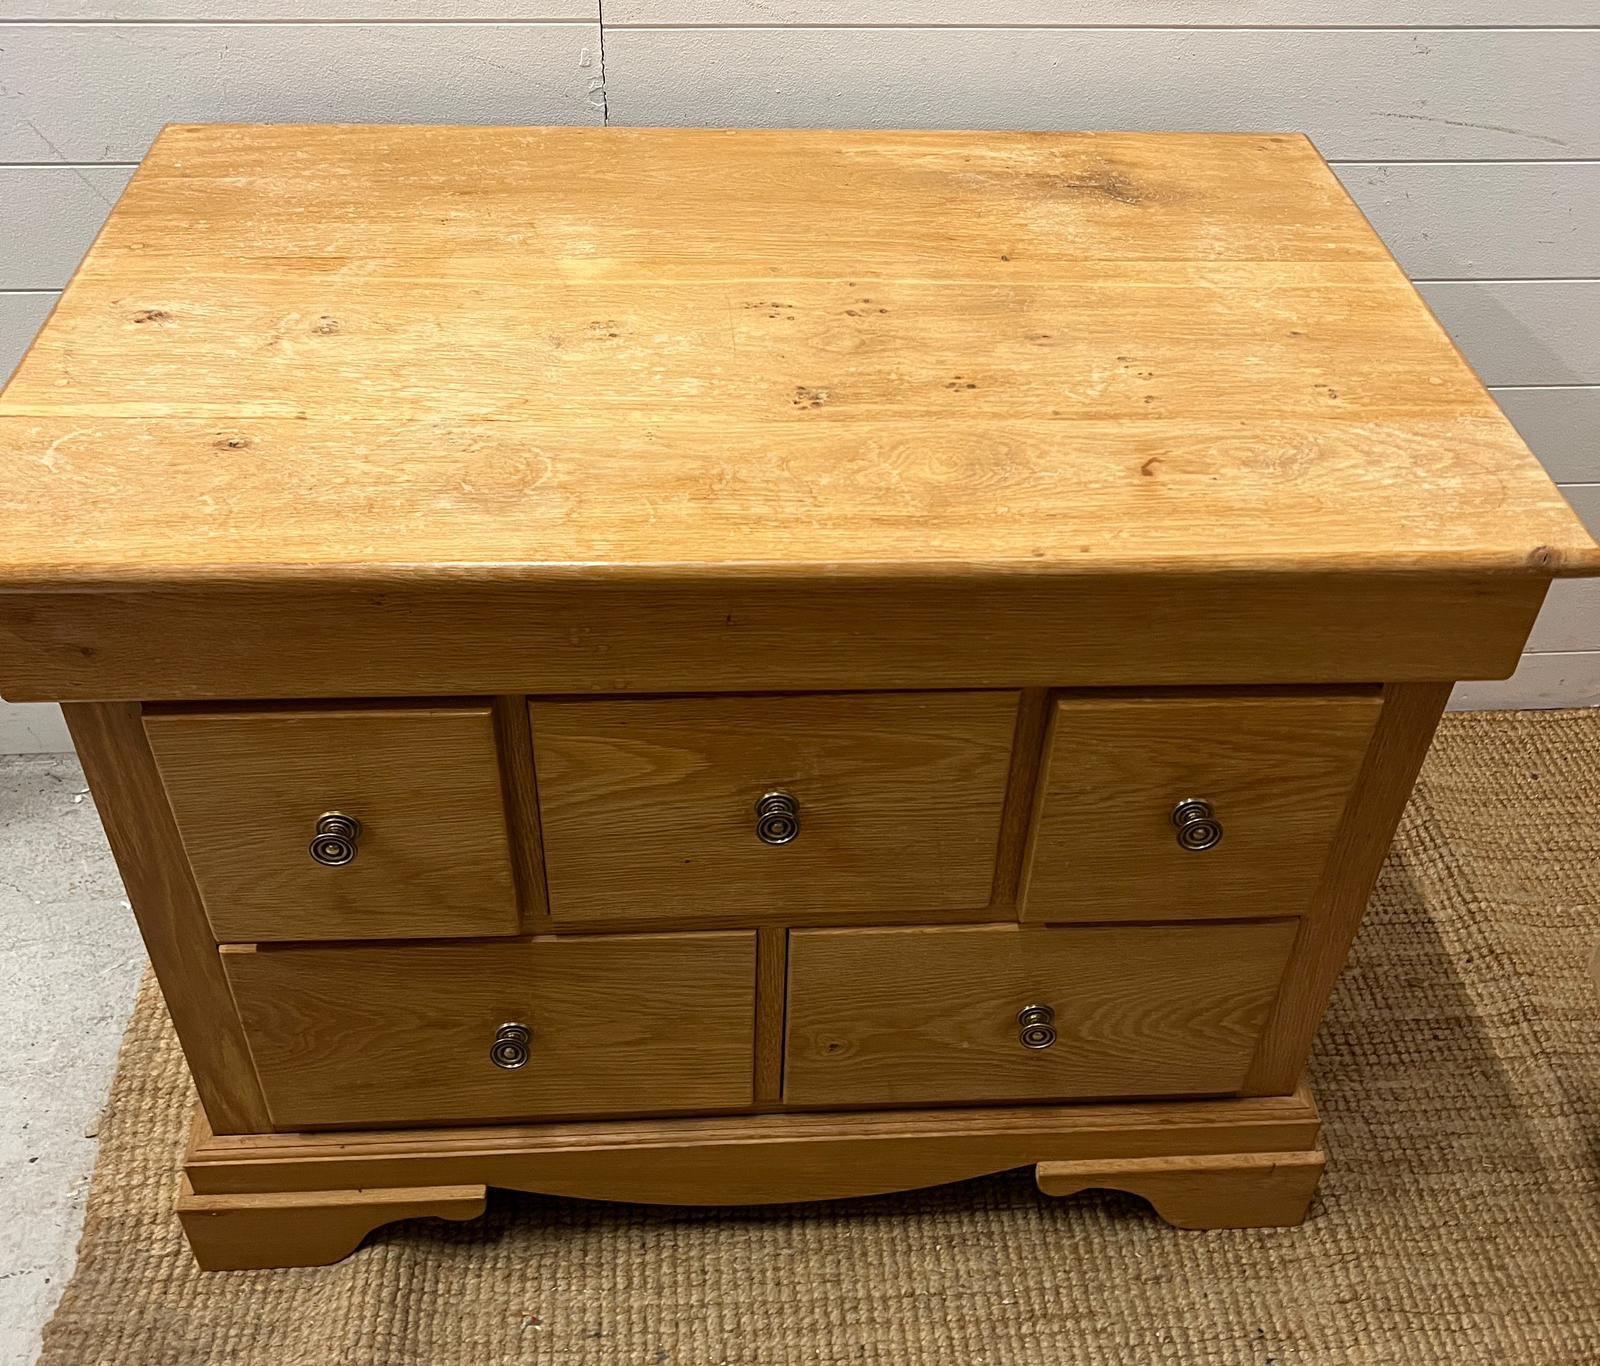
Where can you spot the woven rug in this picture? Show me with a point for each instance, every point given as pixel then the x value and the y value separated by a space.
pixel 1459 1222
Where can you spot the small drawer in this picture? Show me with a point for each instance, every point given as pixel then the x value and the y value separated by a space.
pixel 330 823
pixel 776 806
pixel 1169 807
pixel 352 1036
pixel 994 1013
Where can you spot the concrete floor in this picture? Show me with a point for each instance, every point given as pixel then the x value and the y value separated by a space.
pixel 70 959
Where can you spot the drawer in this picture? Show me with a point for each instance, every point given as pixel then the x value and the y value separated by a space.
pixel 650 807
pixel 249 788
pixel 353 1036
pixel 1272 770
pixel 926 1015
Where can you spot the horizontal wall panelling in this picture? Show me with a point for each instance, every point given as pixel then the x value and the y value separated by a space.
pixel 1561 425
pixel 1109 13
pixel 1361 94
pixel 1548 680
pixel 1483 220
pixel 1570 619
pixel 48 217
pixel 103 91
pixel 21 315
pixel 1523 331
pixel 1585 499
pixel 218 11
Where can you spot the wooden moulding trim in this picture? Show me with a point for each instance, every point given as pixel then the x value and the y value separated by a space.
pixel 143 835
pixel 1233 1190
pixel 600 637
pixel 748 1159
pixel 1393 759
pixel 307 1228
pixel 1580 559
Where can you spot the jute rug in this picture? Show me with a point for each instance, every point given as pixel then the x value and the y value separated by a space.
pixel 1459 1222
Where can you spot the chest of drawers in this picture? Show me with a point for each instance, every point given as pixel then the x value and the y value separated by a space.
pixel 741 667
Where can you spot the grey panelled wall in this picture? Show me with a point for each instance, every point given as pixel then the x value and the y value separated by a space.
pixel 1470 135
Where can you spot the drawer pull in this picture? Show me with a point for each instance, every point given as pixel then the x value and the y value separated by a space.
pixel 1036 1027
pixel 1198 826
pixel 777 818
pixel 336 839
pixel 510 1047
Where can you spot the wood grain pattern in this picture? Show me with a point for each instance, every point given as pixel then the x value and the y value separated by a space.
pixel 400 1034
pixel 781 483
pixel 307 1228
pixel 616 202
pixel 515 743
pixel 908 350
pixel 1030 490
pixel 1234 1190
pixel 1277 768
pixel 1399 745
pixel 772 994
pixel 1027 753
pixel 122 774
pixel 247 787
pixel 898 350
pixel 757 634
pixel 648 806
pixel 929 1016
pixel 751 1159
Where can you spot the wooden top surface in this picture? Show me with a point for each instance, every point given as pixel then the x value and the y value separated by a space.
pixel 367 354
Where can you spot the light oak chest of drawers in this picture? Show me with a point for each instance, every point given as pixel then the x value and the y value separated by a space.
pixel 742 667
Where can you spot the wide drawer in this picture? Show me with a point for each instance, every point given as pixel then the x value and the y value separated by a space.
pixel 406 1034
pixel 250 788
pixel 925 1015
pixel 652 809
pixel 1178 806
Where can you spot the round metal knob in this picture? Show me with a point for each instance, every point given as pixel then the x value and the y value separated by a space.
pixel 510 1047
pixel 1036 1026
pixel 336 840
pixel 777 818
pixel 1198 826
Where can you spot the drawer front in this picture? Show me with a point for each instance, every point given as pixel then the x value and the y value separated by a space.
pixel 1268 773
pixel 351 1036
pixel 650 808
pixel 249 789
pixel 932 1015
